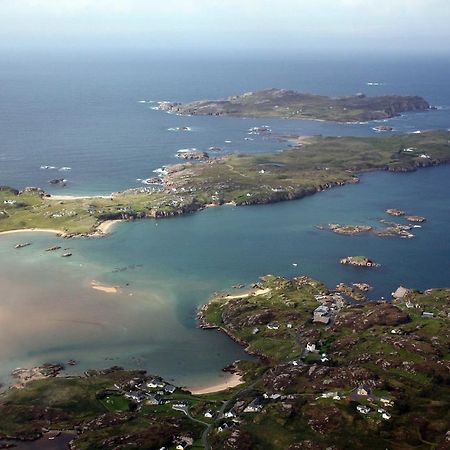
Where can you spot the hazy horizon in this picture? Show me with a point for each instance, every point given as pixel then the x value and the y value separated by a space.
pixel 264 26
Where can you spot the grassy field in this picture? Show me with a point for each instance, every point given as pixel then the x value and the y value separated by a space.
pixel 242 179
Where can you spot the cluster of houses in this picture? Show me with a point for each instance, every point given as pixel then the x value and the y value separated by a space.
pixel 271 326
pixel 401 292
pixel 329 306
pixel 181 443
pixel 151 391
pixel 311 348
pixel 363 392
pixel 9 202
pixel 254 406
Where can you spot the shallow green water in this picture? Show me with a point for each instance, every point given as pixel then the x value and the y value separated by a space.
pixel 167 268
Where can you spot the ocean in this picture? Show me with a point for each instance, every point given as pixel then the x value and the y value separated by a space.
pixel 85 112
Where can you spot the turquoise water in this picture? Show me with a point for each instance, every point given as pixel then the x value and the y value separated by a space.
pixel 83 111
pixel 167 268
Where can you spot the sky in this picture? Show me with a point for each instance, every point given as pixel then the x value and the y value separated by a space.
pixel 264 25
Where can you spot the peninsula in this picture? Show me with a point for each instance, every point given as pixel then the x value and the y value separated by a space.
pixel 309 166
pixel 295 105
pixel 329 374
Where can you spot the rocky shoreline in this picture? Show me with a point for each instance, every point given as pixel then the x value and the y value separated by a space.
pixel 358 261
pixel 232 179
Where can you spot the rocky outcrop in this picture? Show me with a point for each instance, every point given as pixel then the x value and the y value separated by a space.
pixel 376 313
pixel 359 261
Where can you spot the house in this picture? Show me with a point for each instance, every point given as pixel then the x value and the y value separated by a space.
pixel 254 406
pixel 363 390
pixel 137 396
pixel 363 409
pixel 208 415
pixel 401 292
pixel 169 388
pixel 155 383
pixel 322 314
pixel 310 347
pixel 396 331
pixel 255 330
pixel 223 427
pixel 296 362
pixel 386 401
pixel 427 314
pixel 289 325
pixel 386 416
pixel 179 404
pixel 229 414
pixel 154 399
pixel 275 396
pixel 328 394
pixel 182 446
pixel 273 326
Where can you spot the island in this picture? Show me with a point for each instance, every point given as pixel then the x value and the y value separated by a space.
pixel 311 165
pixel 358 261
pixel 295 105
pixel 328 373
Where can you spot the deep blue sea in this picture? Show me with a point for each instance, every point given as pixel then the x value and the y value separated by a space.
pixel 84 112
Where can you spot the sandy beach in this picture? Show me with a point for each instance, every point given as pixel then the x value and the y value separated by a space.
pixel 248 294
pixel 102 229
pixel 233 381
pixel 34 230
pixel 77 197
pixel 106 226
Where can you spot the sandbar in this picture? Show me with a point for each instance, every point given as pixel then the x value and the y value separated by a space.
pixel 108 289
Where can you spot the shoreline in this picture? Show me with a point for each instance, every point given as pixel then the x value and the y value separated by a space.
pixel 297 192
pixel 34 230
pixel 233 381
pixel 106 226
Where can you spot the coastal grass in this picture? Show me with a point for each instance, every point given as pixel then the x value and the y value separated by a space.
pixel 408 367
pixel 308 167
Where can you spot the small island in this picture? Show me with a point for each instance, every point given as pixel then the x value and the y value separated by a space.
pixel 349 229
pixel 295 105
pixel 358 261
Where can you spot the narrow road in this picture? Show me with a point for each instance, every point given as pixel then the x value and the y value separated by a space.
pixel 219 415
